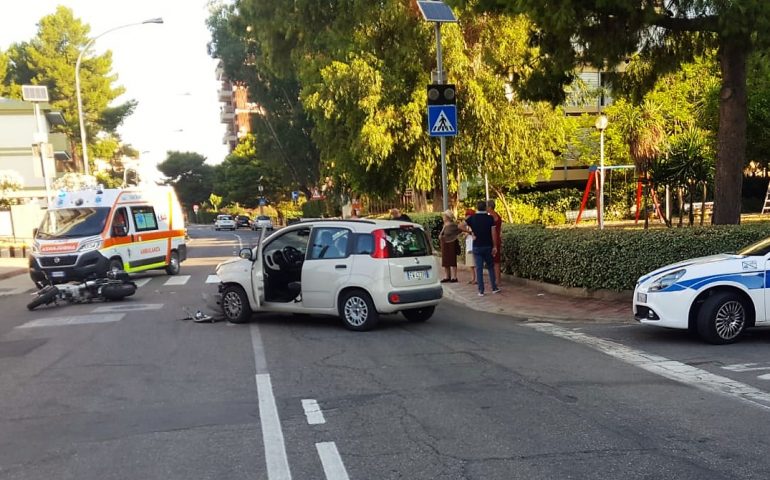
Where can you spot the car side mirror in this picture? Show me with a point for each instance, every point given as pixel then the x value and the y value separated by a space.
pixel 245 254
pixel 119 231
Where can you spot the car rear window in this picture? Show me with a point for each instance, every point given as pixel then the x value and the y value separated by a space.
pixel 407 242
pixel 224 217
pixel 263 217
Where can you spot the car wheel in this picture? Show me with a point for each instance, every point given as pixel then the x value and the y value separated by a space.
pixel 116 265
pixel 173 264
pixel 357 311
pixel 235 304
pixel 722 318
pixel 419 314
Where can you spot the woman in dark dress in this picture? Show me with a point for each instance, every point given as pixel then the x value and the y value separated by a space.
pixel 449 246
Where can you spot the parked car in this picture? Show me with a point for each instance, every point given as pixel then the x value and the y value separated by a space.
pixel 717 296
pixel 356 270
pixel 242 221
pixel 224 222
pixel 262 221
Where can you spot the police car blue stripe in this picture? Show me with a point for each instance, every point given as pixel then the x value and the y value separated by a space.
pixel 750 280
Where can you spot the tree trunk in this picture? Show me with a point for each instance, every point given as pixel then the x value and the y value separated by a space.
pixel 703 203
pixel 731 138
pixel 691 213
pixel 680 200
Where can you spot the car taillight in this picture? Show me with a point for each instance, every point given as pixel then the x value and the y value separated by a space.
pixel 380 245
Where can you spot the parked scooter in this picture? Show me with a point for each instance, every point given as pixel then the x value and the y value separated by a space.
pixel 115 286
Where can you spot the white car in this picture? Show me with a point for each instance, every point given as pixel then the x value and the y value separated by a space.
pixel 225 222
pixel 717 296
pixel 261 221
pixel 355 269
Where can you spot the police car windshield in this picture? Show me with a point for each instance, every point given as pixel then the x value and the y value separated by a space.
pixel 73 222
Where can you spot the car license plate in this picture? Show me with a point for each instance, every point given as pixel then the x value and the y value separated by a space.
pixel 641 297
pixel 416 274
pixel 57 274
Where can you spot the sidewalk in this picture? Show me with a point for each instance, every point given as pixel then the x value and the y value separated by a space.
pixel 533 302
pixel 10 267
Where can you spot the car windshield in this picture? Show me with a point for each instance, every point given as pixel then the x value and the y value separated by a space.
pixel 73 222
pixel 758 249
pixel 224 217
pixel 407 242
pixel 263 217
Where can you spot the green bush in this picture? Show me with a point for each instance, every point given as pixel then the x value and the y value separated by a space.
pixel 613 259
pixel 431 222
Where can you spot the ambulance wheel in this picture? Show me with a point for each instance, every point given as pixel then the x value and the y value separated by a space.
pixel 115 265
pixel 173 264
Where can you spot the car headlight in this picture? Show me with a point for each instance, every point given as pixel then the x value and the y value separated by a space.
pixel 35 247
pixel 91 245
pixel 666 280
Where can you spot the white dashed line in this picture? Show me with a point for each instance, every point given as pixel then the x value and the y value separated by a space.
pixel 128 307
pixel 177 280
pixel 272 435
pixel 142 281
pixel 212 279
pixel 334 469
pixel 678 371
pixel 313 412
pixel 72 320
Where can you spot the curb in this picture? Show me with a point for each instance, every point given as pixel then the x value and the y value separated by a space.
pixel 12 273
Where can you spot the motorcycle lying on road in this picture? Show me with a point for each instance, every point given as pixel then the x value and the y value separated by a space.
pixel 116 285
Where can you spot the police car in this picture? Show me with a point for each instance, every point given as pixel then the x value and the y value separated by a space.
pixel 717 296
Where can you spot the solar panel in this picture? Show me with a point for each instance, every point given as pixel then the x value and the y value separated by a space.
pixel 34 93
pixel 436 11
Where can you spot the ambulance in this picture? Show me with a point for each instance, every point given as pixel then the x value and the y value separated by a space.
pixel 85 233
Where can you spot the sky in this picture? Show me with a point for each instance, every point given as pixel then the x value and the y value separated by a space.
pixel 164 67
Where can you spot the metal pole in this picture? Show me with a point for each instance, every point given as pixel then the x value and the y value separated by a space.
pixel 486 185
pixel 440 69
pixel 41 146
pixel 601 179
pixel 83 140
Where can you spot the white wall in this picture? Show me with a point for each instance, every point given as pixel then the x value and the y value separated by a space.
pixel 16 137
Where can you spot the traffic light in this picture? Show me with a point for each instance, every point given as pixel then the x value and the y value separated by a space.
pixel 442 94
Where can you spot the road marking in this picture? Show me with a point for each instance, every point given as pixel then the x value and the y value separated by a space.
pixel 746 367
pixel 72 320
pixel 313 412
pixel 212 279
pixel 334 469
pixel 177 280
pixel 142 281
pixel 128 307
pixel 663 366
pixel 272 434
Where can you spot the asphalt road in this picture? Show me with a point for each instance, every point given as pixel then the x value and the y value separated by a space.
pixel 132 391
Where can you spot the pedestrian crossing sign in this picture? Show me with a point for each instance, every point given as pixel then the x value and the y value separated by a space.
pixel 442 120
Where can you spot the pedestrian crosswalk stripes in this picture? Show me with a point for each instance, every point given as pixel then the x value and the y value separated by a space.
pixel 177 280
pixel 140 282
pixel 212 279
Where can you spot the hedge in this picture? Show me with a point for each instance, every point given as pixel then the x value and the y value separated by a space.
pixel 613 259
pixel 431 222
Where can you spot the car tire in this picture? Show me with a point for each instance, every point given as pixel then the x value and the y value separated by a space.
pixel 235 304
pixel 357 311
pixel 116 265
pixel 419 314
pixel 722 318
pixel 174 266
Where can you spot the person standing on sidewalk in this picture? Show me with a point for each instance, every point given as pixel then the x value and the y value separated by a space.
pixel 449 246
pixel 469 262
pixel 395 214
pixel 484 245
pixel 498 236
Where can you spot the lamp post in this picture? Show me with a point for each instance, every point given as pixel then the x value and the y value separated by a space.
pixel 601 125
pixel 83 139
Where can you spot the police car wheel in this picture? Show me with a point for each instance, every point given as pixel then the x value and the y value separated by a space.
pixel 722 318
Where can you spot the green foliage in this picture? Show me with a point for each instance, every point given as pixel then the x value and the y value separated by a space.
pixel 321 208
pixel 613 259
pixel 432 223
pixel 189 175
pixel 215 201
pixel 49 59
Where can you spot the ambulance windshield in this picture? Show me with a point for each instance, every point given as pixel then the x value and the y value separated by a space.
pixel 73 222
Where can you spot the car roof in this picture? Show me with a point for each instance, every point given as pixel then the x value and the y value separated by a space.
pixel 359 225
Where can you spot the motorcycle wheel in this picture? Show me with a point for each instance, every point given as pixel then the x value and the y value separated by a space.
pixel 44 297
pixel 118 291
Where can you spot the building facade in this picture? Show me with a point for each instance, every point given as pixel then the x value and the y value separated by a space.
pixel 235 110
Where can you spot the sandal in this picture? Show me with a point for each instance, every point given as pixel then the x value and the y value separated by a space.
pixel 454 280
pixel 445 280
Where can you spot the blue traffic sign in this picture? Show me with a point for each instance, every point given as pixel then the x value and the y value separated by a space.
pixel 295 195
pixel 442 120
pixel 262 202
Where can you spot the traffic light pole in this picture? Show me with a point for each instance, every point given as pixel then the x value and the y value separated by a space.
pixel 440 73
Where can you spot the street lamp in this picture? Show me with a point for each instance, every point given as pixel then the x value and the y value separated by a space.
pixel 601 125
pixel 88 45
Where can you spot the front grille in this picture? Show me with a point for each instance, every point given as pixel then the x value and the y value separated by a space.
pixel 63 261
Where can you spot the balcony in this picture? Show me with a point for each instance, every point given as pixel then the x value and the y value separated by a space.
pixel 226 114
pixel 229 138
pixel 226 94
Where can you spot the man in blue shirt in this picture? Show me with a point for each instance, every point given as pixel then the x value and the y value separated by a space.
pixel 482 226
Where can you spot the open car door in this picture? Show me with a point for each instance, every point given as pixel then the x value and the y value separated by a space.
pixel 258 271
